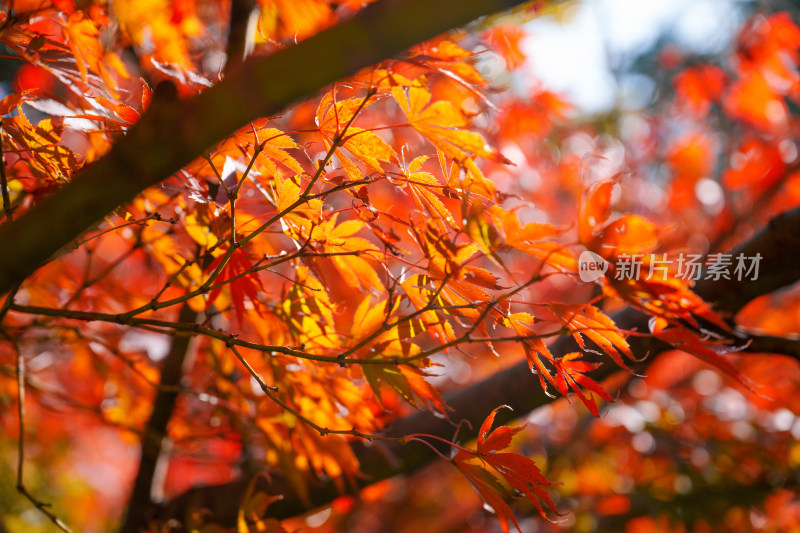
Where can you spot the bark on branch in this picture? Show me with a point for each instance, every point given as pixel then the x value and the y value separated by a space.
pixel 155 431
pixel 172 133
pixel 517 387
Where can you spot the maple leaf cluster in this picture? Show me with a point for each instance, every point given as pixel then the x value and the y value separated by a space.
pixel 347 263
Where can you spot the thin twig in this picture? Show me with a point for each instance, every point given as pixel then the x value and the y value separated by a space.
pixel 43 507
pixel 9 301
pixel 338 140
pixel 4 181
pixel 251 370
pixel 183 329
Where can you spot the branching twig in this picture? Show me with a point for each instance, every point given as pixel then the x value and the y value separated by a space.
pixel 515 387
pixel 43 507
pixel 261 87
pixel 184 329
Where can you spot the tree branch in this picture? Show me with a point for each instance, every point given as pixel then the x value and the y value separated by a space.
pixel 7 209
pixel 516 387
pixel 171 134
pixel 140 502
pixel 777 243
pixel 789 347
pixel 238 38
pixel 699 504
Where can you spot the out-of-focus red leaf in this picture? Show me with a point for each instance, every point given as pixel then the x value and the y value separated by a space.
pixel 755 163
pixel 594 211
pixel 700 86
pixel 505 40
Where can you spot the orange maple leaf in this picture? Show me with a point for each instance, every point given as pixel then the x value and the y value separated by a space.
pixel 518 471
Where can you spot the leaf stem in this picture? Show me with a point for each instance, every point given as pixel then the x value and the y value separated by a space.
pixel 338 140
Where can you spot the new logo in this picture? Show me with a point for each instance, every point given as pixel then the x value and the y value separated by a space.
pixel 591 266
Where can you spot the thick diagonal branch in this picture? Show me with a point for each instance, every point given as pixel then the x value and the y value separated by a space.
pixel 778 244
pixel 172 133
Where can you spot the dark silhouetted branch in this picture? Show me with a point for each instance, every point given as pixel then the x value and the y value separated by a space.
pixel 140 502
pixel 172 133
